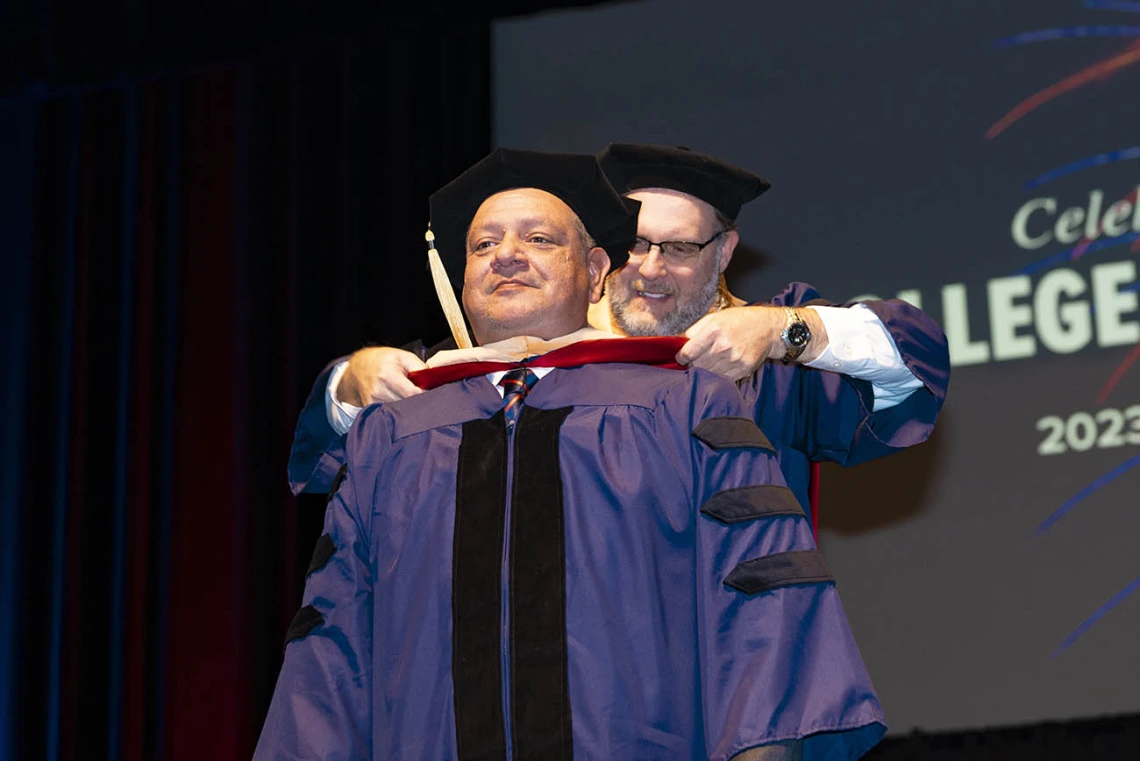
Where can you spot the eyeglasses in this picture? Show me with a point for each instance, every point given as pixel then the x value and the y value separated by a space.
pixel 676 251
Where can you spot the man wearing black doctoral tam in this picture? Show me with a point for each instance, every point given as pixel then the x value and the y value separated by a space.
pixel 554 552
pixel 825 381
pixel 840 382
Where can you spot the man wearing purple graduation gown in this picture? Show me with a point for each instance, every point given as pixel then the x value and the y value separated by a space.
pixel 619 574
pixel 871 381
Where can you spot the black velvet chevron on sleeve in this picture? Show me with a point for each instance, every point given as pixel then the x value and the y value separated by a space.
pixel 746 503
pixel 338 480
pixel 324 550
pixel 782 569
pixel 307 619
pixel 732 432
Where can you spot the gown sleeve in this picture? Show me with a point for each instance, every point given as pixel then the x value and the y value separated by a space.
pixel 829 416
pixel 322 704
pixel 778 660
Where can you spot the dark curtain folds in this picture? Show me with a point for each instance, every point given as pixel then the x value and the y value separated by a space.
pixel 189 249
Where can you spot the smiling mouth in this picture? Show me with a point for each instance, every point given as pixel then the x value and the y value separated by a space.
pixel 507 283
pixel 652 296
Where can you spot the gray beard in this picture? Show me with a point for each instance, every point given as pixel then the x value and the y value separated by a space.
pixel 673 324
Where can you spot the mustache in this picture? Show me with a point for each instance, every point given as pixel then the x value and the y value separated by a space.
pixel 663 289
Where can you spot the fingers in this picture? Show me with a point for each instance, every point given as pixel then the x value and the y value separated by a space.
pixel 408 361
pixel 713 345
pixel 719 362
pixel 396 386
pixel 700 327
pixel 404 363
pixel 701 339
pixel 381 374
pixel 708 353
pixel 392 376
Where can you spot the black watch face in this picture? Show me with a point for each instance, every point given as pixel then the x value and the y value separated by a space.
pixel 799 334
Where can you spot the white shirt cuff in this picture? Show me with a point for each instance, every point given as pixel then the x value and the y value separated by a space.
pixel 859 345
pixel 340 414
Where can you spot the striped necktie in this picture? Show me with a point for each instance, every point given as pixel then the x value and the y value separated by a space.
pixel 516 383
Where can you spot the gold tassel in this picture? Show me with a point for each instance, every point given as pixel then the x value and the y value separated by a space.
pixel 446 295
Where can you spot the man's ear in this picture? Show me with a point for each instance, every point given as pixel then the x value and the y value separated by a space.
pixel 598 266
pixel 731 238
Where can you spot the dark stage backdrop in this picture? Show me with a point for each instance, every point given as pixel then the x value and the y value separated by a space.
pixel 979 159
pixel 183 251
pixel 202 202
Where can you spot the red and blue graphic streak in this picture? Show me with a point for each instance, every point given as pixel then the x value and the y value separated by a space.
pixel 1100 71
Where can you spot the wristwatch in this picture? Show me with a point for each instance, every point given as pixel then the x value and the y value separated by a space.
pixel 796 335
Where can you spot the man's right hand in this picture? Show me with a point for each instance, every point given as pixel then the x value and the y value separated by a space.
pixel 378 374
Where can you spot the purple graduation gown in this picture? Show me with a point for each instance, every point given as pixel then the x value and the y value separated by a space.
pixel 623 576
pixel 814 415
pixel 808 414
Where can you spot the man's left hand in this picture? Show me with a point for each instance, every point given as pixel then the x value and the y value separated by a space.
pixel 734 342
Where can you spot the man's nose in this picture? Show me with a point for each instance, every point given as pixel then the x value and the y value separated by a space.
pixel 652 266
pixel 510 251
